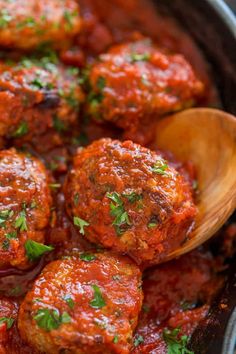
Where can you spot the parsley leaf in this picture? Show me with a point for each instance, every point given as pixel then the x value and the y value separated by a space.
pixel 117 210
pixel 70 302
pixel 133 197
pixel 176 345
pixel 47 319
pixel 8 320
pixel 116 339
pixel 4 216
pixel 80 223
pixel 136 57
pixel 138 340
pixel 87 257
pixel 160 168
pixel 21 130
pixel 20 222
pixel 98 301
pixel 34 249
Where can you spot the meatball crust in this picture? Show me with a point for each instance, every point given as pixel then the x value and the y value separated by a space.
pixel 132 82
pixel 84 304
pixel 25 203
pixel 27 24
pixel 126 198
pixel 34 99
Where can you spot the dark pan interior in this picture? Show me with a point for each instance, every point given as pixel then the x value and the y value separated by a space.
pixel 213 27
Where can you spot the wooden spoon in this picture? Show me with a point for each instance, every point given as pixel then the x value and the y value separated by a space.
pixel 207 138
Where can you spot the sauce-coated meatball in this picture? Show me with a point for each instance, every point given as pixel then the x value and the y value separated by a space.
pixel 26 24
pixel 135 82
pixel 8 314
pixel 25 203
pixel 126 198
pixel 84 304
pixel 34 99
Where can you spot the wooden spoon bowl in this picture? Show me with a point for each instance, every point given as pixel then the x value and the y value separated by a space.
pixel 207 138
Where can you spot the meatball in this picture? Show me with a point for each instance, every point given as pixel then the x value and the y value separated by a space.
pixel 127 198
pixel 135 83
pixel 27 24
pixel 34 99
pixel 25 203
pixel 8 314
pixel 84 304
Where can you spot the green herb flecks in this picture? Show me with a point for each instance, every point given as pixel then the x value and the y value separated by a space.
pixel 98 300
pixel 87 257
pixel 176 344
pixel 50 319
pixel 35 250
pixel 117 210
pixel 81 224
pixel 70 302
pixel 132 197
pixel 116 339
pixel 160 168
pixel 5 18
pixel 4 216
pixel 21 222
pixel 138 340
pixel 136 57
pixel 8 320
pixel 22 130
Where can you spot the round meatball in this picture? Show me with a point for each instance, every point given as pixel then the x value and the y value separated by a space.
pixel 34 99
pixel 84 304
pixel 127 198
pixel 8 314
pixel 135 83
pixel 27 24
pixel 25 203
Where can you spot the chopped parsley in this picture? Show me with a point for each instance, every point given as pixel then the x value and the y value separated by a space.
pixel 160 168
pixel 117 210
pixel 11 235
pixel 8 320
pixel 138 340
pixel 98 300
pixel 80 223
pixel 116 339
pixel 22 130
pixel 70 302
pixel 132 197
pixel 151 225
pixel 68 16
pixel 136 57
pixel 101 83
pixel 5 18
pixel 176 344
pixel 20 222
pixel 4 216
pixel 51 319
pixel 58 124
pixel 34 249
pixel 87 257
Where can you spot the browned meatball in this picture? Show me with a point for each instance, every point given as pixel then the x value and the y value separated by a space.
pixel 135 83
pixel 84 304
pixel 34 100
pixel 25 24
pixel 127 198
pixel 25 203
pixel 8 313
